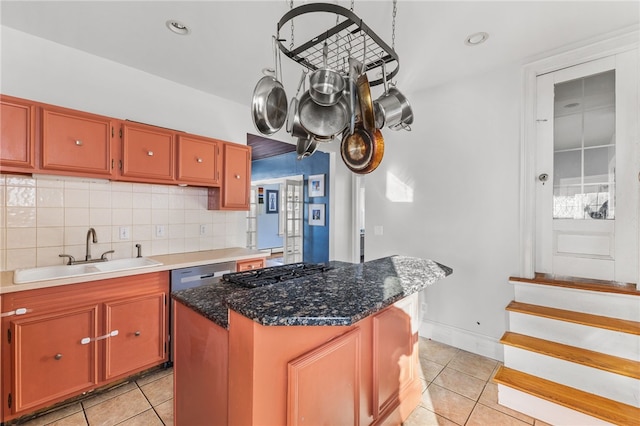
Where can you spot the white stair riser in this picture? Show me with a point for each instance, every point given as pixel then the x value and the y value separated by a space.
pixel 599 382
pixel 544 410
pixel 593 302
pixel 608 342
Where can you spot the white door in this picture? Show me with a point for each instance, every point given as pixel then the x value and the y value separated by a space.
pixel 291 212
pixel 587 170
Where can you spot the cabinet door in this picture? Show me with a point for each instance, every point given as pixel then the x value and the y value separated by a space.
pixel 53 356
pixel 76 143
pixel 248 265
pixel 236 179
pixel 140 341
pixel 324 384
pixel 148 153
pixel 17 133
pixel 395 354
pixel 198 161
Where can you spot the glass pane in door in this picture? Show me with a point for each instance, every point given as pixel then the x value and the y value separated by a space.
pixel 584 148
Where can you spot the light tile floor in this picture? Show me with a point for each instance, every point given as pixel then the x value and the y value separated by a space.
pixel 457 390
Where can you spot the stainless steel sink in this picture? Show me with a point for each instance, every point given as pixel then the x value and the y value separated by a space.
pixel 27 275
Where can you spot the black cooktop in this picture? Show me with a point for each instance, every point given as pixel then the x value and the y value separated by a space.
pixel 274 274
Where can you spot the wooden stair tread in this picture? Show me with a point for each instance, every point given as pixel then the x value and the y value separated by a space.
pixel 613 364
pixel 580 283
pixel 608 323
pixel 575 399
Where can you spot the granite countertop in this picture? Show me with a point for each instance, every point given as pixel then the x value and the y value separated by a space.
pixel 340 296
pixel 169 262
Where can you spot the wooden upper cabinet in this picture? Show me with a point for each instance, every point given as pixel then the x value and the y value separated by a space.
pixel 199 160
pixel 17 135
pixel 76 143
pixel 236 179
pixel 148 153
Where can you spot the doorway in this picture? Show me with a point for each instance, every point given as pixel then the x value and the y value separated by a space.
pixel 586 194
pixel 275 219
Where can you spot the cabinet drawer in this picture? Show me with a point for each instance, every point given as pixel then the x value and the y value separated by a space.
pixel 247 265
pixel 76 142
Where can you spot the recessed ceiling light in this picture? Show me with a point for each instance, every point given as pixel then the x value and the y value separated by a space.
pixel 178 27
pixel 476 39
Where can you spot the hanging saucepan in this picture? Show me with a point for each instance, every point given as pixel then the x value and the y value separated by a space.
pixel 269 102
pixel 392 109
pixel 306 147
pixel 366 103
pixel 355 69
pixel 293 118
pixel 323 122
pixel 326 85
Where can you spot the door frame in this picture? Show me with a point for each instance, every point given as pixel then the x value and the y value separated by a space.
pixel 610 44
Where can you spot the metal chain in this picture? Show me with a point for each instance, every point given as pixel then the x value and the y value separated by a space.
pixel 291 43
pixel 351 8
pixel 393 25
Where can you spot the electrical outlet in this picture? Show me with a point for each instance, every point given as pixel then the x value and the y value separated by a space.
pixel 160 232
pixel 124 232
pixel 203 229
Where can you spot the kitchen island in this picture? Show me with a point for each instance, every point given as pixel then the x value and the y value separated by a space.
pixel 338 347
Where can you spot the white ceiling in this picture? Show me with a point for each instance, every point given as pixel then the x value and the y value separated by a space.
pixel 230 41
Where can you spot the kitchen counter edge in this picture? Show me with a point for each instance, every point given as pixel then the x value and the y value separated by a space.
pixel 169 262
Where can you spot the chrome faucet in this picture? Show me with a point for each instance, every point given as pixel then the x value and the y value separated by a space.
pixel 90 232
pixel 87 258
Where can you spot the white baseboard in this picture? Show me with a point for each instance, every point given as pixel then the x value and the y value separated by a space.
pixel 462 339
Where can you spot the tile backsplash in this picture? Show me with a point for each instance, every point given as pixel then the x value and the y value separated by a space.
pixel 41 218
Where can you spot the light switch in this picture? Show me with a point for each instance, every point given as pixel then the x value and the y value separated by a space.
pixel 160 231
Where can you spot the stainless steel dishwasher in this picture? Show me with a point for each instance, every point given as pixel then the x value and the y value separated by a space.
pixel 195 276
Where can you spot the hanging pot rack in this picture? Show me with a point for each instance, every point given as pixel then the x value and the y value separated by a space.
pixel 351 37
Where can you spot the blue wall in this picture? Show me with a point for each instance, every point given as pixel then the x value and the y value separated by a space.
pixel 316 238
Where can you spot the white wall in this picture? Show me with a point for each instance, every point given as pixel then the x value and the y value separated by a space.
pixel 454 179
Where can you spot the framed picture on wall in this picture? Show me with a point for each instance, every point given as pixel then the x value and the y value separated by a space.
pixel 272 201
pixel 316 214
pixel 316 186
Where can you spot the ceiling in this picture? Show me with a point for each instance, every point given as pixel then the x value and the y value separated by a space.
pixel 230 41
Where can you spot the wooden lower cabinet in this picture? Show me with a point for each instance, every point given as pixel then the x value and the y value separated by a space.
pixel 78 337
pixel 365 374
pixel 140 323
pixel 248 265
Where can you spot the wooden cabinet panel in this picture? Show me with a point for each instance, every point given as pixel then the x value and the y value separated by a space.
pixel 140 341
pixel 247 265
pixel 75 142
pixel 199 160
pixel 50 360
pixel 324 384
pixel 46 322
pixel 17 135
pixel 236 181
pixel 148 153
pixel 395 354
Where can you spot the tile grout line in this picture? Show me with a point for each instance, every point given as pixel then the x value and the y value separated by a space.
pixel 145 397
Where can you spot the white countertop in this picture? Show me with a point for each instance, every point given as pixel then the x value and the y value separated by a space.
pixel 169 262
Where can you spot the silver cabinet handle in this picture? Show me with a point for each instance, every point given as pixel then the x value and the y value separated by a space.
pixel 199 160
pixel 150 153
pixel 78 142
pixel 58 356
pixel 137 333
pixel 237 176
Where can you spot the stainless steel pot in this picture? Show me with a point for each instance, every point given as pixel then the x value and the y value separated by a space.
pixel 323 122
pixel 305 147
pixel 293 118
pixel 325 84
pixel 269 102
pixel 392 109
